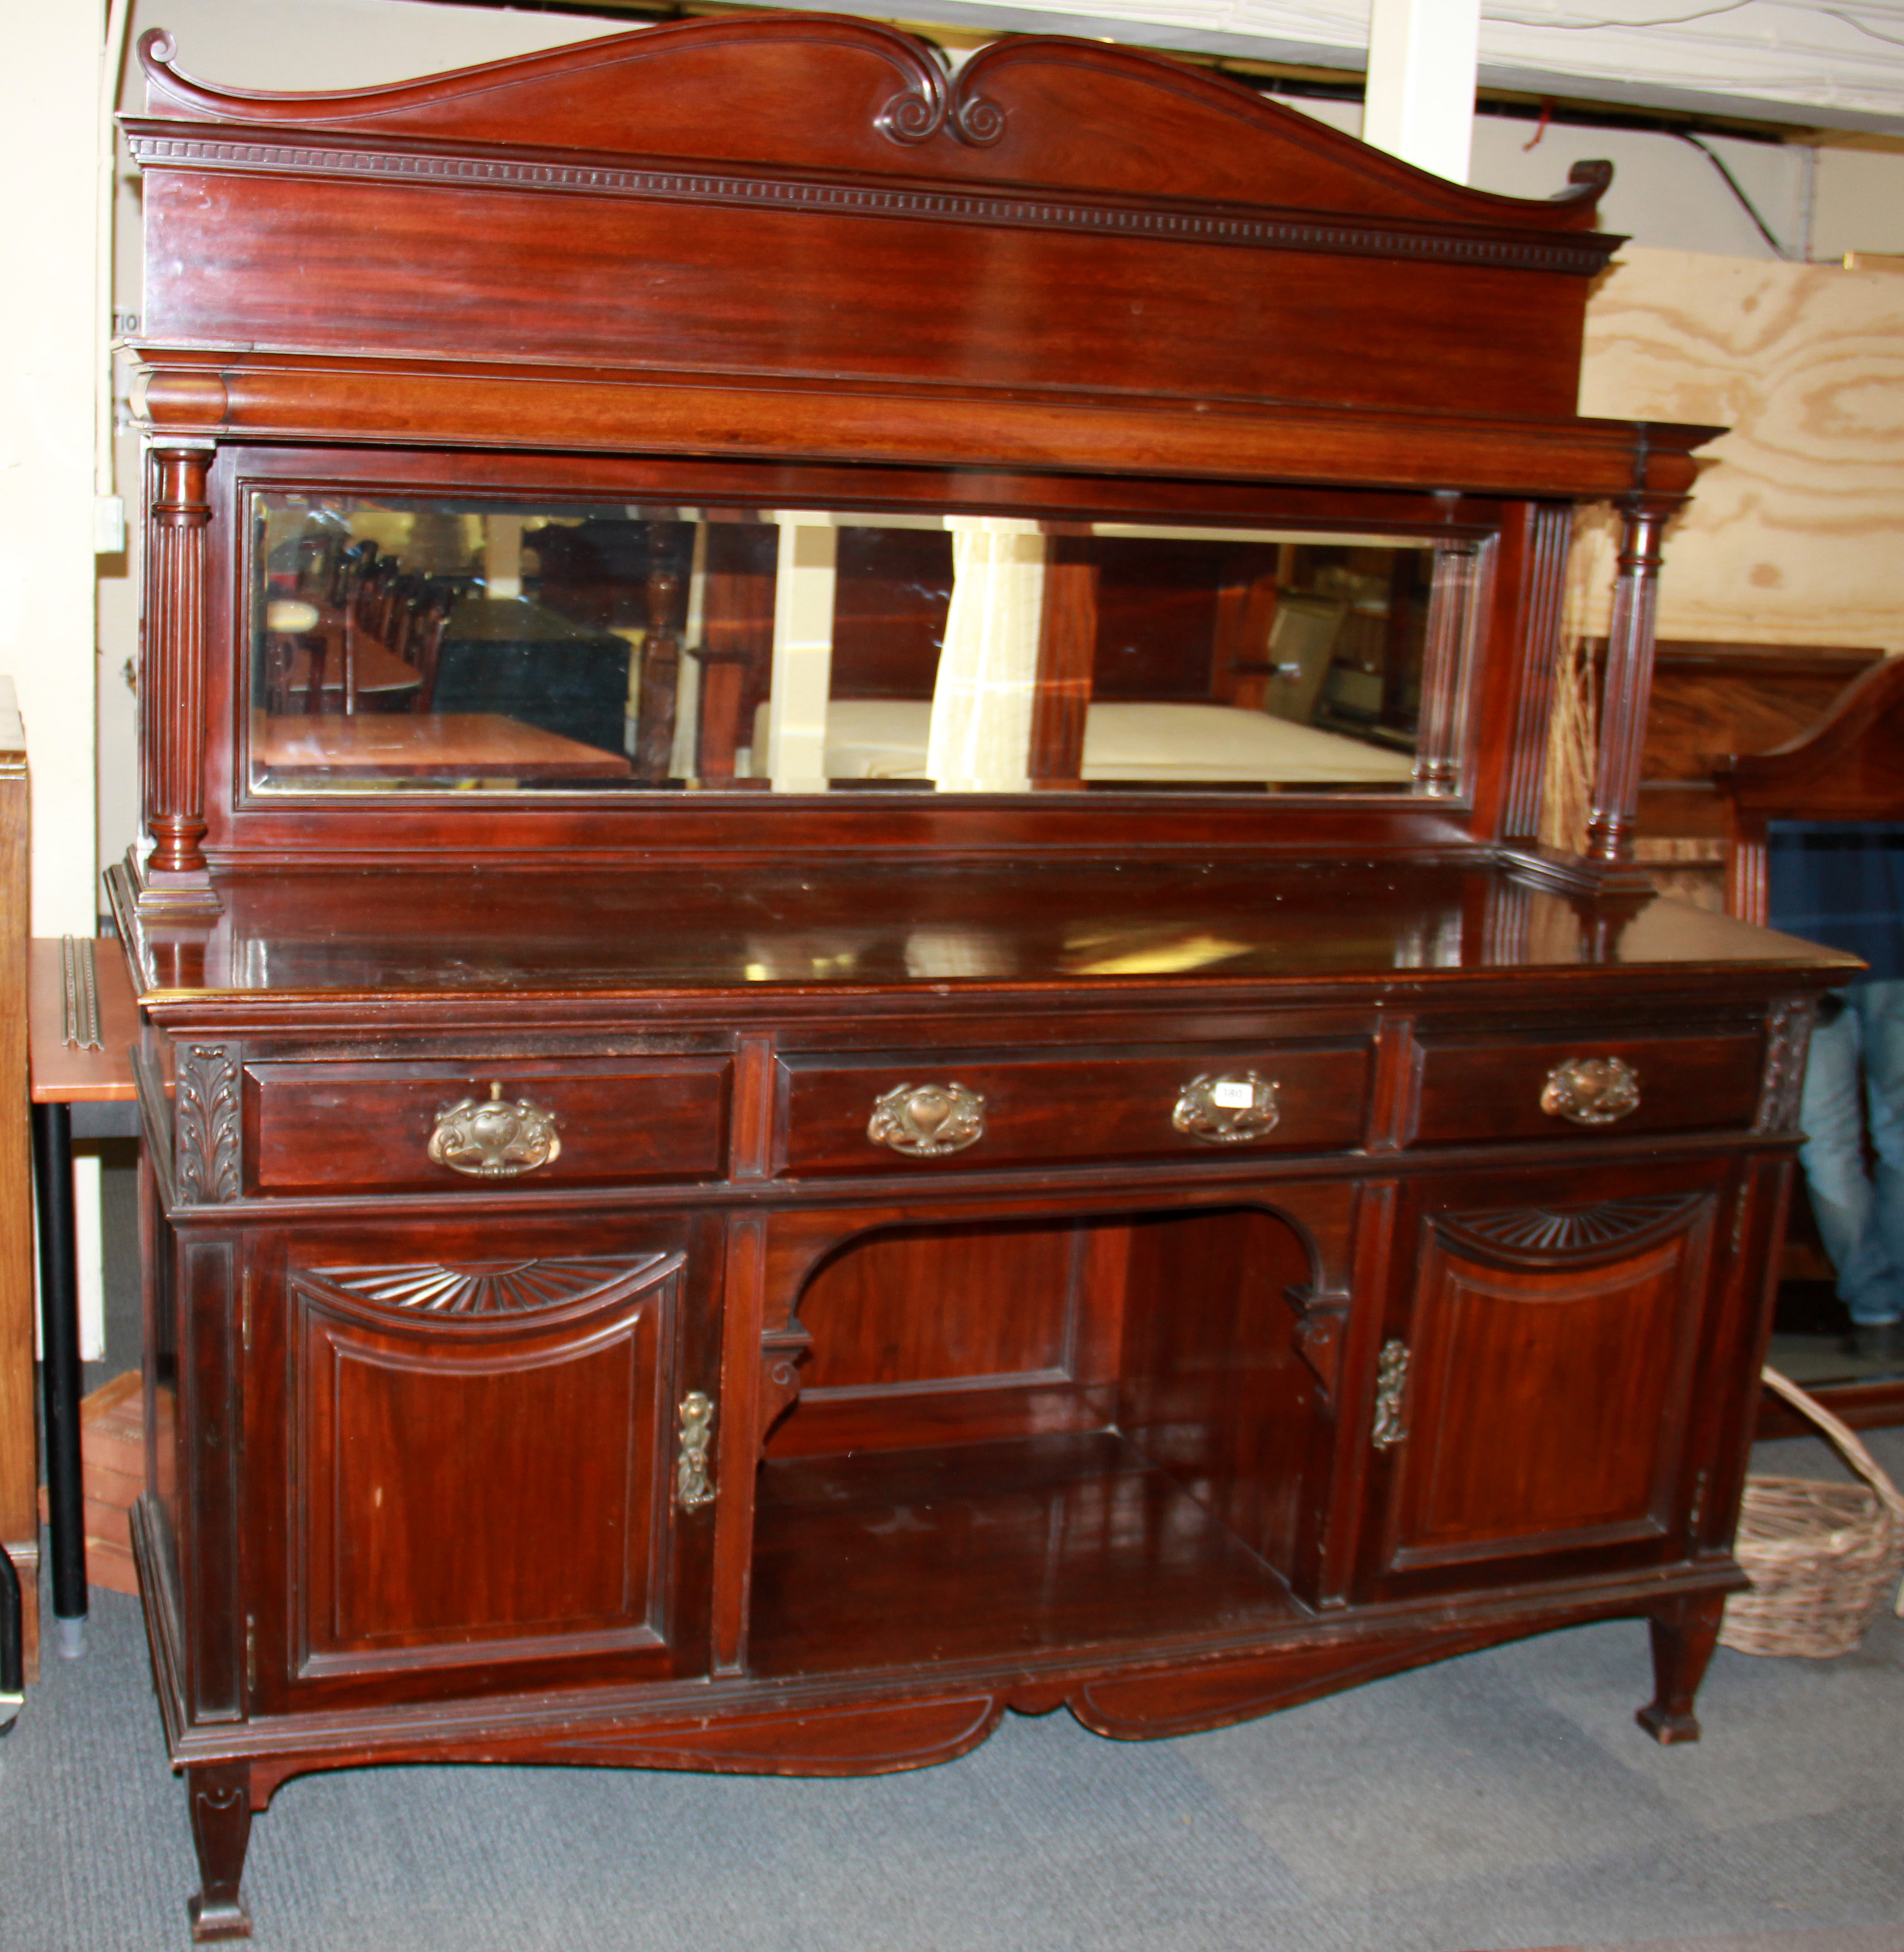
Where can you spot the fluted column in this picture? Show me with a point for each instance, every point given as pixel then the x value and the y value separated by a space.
pixel 172 679
pixel 1447 670
pixel 1628 682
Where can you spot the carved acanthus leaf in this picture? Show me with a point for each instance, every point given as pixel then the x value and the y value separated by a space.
pixel 206 1110
pixel 1788 1034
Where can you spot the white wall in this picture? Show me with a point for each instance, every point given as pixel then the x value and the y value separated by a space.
pixel 46 560
pixel 1666 196
pixel 324 44
pixel 1860 199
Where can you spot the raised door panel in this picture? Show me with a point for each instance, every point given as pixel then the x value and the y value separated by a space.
pixel 480 1475
pixel 1530 1401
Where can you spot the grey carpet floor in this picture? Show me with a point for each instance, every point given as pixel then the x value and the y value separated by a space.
pixel 1504 1799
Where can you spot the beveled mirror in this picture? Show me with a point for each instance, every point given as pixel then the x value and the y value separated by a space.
pixel 437 643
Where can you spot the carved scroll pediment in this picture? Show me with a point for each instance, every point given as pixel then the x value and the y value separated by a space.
pixel 804 88
pixel 817 91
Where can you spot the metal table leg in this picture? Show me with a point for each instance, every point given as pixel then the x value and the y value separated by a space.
pixel 59 1303
pixel 13 1664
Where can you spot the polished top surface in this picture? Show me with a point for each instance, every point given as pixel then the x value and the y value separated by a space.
pixel 836 928
pixel 68 1067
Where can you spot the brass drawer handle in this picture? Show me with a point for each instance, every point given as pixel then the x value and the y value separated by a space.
pixel 1229 1110
pixel 927 1121
pixel 1591 1091
pixel 490 1138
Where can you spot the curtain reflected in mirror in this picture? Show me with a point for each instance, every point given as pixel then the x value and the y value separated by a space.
pixel 447 645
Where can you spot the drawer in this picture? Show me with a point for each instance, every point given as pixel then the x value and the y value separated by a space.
pixel 1069 1106
pixel 323 1128
pixel 1475 1089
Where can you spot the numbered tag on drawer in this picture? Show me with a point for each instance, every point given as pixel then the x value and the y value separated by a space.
pixel 1229 1110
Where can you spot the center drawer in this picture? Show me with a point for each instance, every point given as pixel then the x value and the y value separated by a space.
pixel 327 1127
pixel 915 1111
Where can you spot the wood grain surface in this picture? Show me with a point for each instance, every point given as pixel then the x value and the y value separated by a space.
pixel 1796 535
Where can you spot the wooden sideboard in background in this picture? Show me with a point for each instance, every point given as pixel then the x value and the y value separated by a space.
pixel 1709 701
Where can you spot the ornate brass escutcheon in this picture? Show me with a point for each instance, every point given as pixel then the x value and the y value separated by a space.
pixel 927 1121
pixel 1391 1380
pixel 692 1486
pixel 1591 1091
pixel 1229 1110
pixel 492 1138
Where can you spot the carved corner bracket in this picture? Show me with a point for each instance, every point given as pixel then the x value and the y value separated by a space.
pixel 1321 1325
pixel 784 1355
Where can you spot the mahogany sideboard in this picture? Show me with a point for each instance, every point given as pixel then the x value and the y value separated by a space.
pixel 1105 1168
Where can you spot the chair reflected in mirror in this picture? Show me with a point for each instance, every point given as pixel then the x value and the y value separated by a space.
pixel 1302 646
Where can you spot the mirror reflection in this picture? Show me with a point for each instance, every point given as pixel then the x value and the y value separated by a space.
pixel 439 645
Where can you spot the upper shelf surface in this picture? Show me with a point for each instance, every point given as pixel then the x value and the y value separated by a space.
pixel 507 934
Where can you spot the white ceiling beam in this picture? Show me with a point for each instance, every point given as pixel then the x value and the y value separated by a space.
pixel 1858 86
pixel 1420 105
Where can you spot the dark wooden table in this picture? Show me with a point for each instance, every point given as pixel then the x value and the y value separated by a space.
pixel 481 743
pixel 80 1035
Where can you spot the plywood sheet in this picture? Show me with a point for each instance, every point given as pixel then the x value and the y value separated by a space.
pixel 1797 532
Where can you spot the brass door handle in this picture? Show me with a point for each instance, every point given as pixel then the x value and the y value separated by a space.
pixel 693 1488
pixel 1591 1091
pixel 1230 1110
pixel 1390 1426
pixel 495 1138
pixel 927 1121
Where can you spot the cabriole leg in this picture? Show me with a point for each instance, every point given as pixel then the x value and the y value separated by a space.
pixel 1683 1637
pixel 220 1804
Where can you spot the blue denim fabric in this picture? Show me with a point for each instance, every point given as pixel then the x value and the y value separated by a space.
pixel 1861 1219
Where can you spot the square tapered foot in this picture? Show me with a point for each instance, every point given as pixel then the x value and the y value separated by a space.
pixel 213 1920
pixel 1665 1728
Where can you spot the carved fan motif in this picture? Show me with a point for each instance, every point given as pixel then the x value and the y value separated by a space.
pixel 1561 1229
pixel 485 1288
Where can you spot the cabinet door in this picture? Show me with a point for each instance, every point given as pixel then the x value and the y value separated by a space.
pixel 1531 1397
pixel 485 1475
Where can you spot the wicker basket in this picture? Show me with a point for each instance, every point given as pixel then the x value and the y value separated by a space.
pixel 1819 1555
